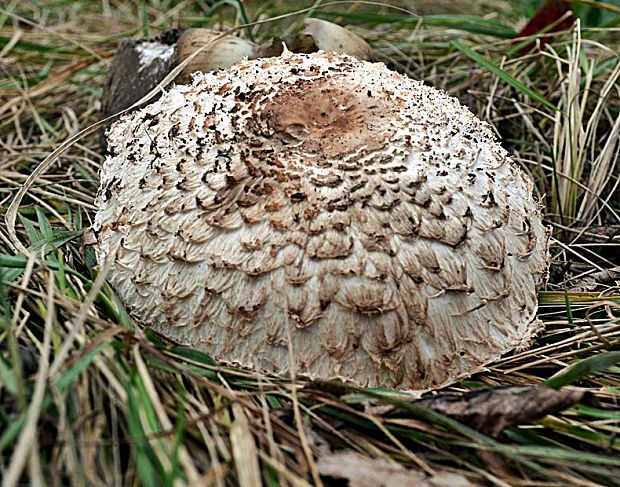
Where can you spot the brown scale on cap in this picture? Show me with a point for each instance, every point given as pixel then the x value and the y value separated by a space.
pixel 374 217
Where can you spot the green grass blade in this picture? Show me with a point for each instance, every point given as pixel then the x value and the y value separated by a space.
pixel 558 298
pixel 45 227
pixel 8 378
pixel 144 455
pixel 33 234
pixel 583 368
pixel 10 434
pixel 14 264
pixel 36 47
pixel 69 377
pixel 236 4
pixel 579 457
pixel 193 355
pixel 596 412
pixel 569 310
pixel 56 240
pixel 500 73
pixel 466 23
pixel 144 18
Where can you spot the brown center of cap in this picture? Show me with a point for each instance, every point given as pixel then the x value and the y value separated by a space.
pixel 326 117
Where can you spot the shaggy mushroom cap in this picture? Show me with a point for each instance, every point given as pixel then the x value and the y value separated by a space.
pixel 315 202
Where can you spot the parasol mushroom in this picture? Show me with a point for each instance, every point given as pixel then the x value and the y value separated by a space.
pixel 325 210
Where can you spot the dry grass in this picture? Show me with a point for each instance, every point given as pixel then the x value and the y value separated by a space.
pixel 86 398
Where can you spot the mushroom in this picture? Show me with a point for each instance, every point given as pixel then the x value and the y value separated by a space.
pixel 320 35
pixel 222 53
pixel 323 215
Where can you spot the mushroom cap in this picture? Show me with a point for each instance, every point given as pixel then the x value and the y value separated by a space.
pixel 326 214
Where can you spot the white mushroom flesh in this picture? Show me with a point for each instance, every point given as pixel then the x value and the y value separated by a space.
pixel 373 220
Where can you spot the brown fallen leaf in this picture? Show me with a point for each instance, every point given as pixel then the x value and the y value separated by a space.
pixel 361 471
pixel 596 280
pixel 244 449
pixel 552 16
pixel 492 410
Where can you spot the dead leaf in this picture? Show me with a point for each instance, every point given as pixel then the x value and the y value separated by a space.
pixel 361 471
pixel 552 16
pixel 492 410
pixel 596 280
pixel 244 449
